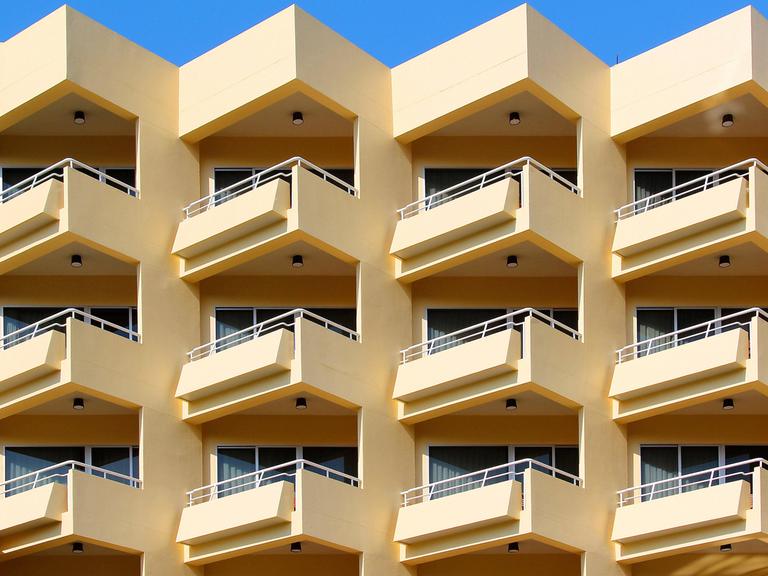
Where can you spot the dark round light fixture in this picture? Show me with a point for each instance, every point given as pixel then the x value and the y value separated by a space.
pixel 297 261
pixel 514 118
pixel 510 404
pixel 76 261
pixel 301 403
pixel 726 548
pixel 511 261
pixel 724 261
pixel 78 404
pixel 79 117
pixel 296 547
pixel 727 120
pixel 728 404
pixel 298 118
pixel 513 547
pixel 77 548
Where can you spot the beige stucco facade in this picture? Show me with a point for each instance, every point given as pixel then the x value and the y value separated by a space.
pixel 172 246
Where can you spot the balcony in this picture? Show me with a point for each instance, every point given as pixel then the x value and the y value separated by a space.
pixel 69 351
pixel 692 512
pixel 522 201
pixel 295 501
pixel 712 360
pixel 293 353
pixel 65 502
pixel 290 202
pixel 518 352
pixel 522 500
pixel 694 219
pixel 56 207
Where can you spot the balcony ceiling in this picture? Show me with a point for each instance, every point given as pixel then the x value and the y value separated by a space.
pixel 93 407
pixel 746 403
pixel 57 263
pixel 750 121
pixel 746 260
pixel 57 120
pixel 533 262
pixel 536 119
pixel 528 404
pixel 278 263
pixel 316 406
pixel 276 121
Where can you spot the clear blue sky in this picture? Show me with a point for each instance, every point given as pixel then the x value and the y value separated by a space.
pixel 180 30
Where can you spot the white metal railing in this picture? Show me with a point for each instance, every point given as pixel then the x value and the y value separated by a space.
pixel 481 479
pixel 494 325
pixel 282 170
pixel 512 169
pixel 58 322
pixel 263 477
pixel 690 334
pixel 690 482
pixel 58 473
pixel 716 178
pixel 286 320
pixel 56 172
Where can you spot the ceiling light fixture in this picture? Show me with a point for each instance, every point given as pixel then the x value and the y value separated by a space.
pixel 301 403
pixel 79 118
pixel 727 120
pixel 77 548
pixel 296 547
pixel 297 261
pixel 726 548
pixel 511 261
pixel 514 118
pixel 728 404
pixel 298 118
pixel 76 261
pixel 78 404
pixel 511 404
pixel 724 261
pixel 513 547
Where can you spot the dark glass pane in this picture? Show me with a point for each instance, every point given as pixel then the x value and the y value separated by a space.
pixel 442 321
pixel 683 176
pixel 118 316
pixel 266 314
pixel 12 176
pixel 344 174
pixel 15 319
pixel 232 463
pixel 112 458
pixel 275 456
pixel 124 175
pixel 652 323
pixel 436 180
pixel 229 321
pixel 567 316
pixel 739 321
pixel 21 461
pixel 342 459
pixel 734 454
pixel 569 174
pixel 694 459
pixel 688 317
pixel 650 182
pixel 541 454
pixel 346 317
pixel 659 463
pixel 446 462
pixel 224 178
pixel 567 460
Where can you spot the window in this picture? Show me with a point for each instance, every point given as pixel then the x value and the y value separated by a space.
pixel 569 174
pixel 447 462
pixel 230 321
pixel 653 181
pixel 232 462
pixel 14 175
pixel 660 463
pixel 25 460
pixel 18 317
pixel 436 180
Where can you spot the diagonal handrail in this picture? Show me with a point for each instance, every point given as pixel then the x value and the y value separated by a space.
pixel 55 171
pixel 508 170
pixel 252 182
pixel 40 477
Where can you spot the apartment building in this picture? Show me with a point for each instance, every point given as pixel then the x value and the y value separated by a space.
pixel 285 310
